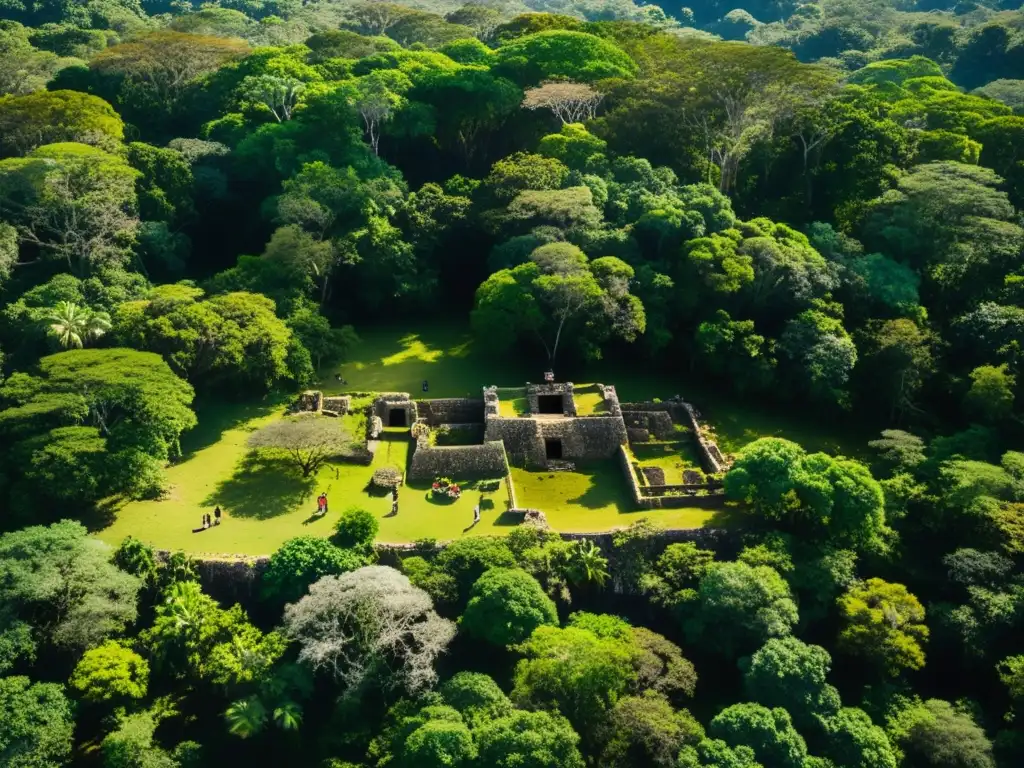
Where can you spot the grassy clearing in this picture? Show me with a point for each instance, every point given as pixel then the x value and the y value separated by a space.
pixel 267 502
pixel 513 402
pixel 588 400
pixel 395 360
pixel 593 498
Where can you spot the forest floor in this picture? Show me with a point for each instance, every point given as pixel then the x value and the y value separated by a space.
pixel 266 501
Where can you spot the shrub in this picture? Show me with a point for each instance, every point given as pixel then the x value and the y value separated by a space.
pixel 356 530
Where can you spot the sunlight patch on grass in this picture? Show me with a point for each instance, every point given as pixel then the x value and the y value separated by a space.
pixel 671 457
pixel 513 402
pixel 594 498
pixel 588 401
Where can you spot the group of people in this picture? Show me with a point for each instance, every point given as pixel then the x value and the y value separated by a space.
pixel 209 521
pixel 321 503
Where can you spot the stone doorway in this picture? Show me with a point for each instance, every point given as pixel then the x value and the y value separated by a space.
pixel 550 404
pixel 396 417
pixel 553 449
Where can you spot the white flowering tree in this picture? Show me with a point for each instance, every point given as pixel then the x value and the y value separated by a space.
pixel 370 626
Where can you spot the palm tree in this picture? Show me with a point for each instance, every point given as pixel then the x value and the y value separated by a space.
pixel 586 564
pixel 288 716
pixel 246 717
pixel 74 325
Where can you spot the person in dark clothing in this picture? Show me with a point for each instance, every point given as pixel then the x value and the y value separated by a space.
pixel 216 516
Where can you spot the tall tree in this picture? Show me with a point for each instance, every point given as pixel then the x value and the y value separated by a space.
pixel 367 627
pixel 61 581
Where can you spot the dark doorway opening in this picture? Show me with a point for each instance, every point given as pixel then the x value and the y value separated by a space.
pixel 396 417
pixel 553 449
pixel 549 404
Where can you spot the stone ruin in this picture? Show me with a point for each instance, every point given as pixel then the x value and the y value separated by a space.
pixel 550 436
pixel 395 409
pixel 552 432
pixel 313 401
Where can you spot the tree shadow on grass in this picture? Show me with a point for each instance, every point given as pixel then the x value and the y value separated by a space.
pixel 261 488
pixel 607 487
pixel 508 519
pixel 218 416
pixel 103 514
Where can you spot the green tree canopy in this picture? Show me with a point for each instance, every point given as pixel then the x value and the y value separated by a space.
pixel 505 606
pixel 36 724
pixel 740 606
pixel 303 560
pixel 884 623
pixel 61 581
pixel 563 54
pixel 110 672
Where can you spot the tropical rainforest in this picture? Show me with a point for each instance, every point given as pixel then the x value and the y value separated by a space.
pixel 811 205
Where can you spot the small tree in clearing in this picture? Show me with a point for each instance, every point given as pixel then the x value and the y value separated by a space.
pixel 308 439
pixel 571 102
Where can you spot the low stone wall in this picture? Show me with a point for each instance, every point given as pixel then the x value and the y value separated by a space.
pixel 461 462
pixel 711 457
pixel 454 410
pixel 227 578
pixel 687 489
pixel 654 496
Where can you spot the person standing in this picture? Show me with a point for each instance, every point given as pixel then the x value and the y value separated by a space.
pixel 476 514
pixel 325 502
pixel 216 516
pixel 320 504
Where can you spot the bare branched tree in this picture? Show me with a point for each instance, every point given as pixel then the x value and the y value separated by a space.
pixel 309 439
pixel 370 625
pixel 570 102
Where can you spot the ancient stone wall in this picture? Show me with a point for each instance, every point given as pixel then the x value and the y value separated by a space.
pixel 611 400
pixel 337 406
pixel 310 401
pixel 657 423
pixel 711 457
pixel 387 401
pixel 704 495
pixel 564 390
pixel 588 438
pixel 455 410
pixel 227 578
pixel 461 462
pixel 521 438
